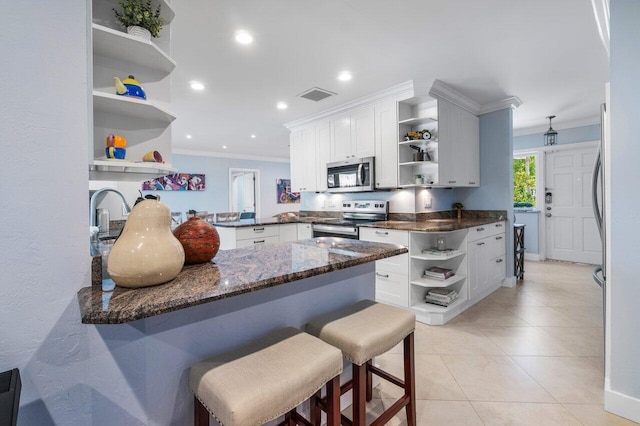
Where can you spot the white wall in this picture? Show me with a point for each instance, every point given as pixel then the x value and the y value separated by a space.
pixel 622 390
pixel 44 251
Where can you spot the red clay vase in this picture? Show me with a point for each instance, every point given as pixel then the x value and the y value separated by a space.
pixel 199 239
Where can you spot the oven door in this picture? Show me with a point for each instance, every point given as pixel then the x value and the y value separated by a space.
pixel 351 175
pixel 342 231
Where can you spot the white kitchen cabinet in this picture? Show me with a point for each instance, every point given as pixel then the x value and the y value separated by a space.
pixel 353 135
pixel 309 151
pixel 304 231
pixel 323 155
pixel 287 232
pixel 386 135
pixel 297 163
pixel 145 124
pixel 248 236
pixel 392 273
pixel 486 249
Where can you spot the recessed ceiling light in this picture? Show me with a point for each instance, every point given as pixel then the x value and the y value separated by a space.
pixel 188 136
pixel 282 105
pixel 224 147
pixel 253 136
pixel 243 37
pixel 196 85
pixel 345 76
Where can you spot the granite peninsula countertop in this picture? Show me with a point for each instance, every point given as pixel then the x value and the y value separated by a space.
pixel 231 273
pixel 272 221
pixel 434 225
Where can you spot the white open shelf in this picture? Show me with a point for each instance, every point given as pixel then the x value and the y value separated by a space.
pixel 118 170
pixel 421 163
pixel 417 120
pixel 130 107
pixel 431 308
pixel 438 257
pixel 418 142
pixel 428 282
pixel 119 45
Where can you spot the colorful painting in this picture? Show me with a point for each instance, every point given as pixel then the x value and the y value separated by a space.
pixel 285 196
pixel 176 182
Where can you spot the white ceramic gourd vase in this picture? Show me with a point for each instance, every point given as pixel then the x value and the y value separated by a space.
pixel 146 253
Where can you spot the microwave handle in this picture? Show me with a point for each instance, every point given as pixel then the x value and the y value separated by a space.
pixel 361 177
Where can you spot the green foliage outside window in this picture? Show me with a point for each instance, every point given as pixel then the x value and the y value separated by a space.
pixel 524 179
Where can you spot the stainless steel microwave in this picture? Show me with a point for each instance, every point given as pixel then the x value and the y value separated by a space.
pixel 353 175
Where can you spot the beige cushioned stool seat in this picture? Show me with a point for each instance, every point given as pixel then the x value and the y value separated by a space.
pixel 364 330
pixel 266 378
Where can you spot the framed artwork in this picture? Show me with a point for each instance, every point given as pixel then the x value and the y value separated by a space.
pixel 176 182
pixel 285 196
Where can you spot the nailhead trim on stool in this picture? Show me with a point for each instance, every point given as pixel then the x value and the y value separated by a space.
pixel 266 379
pixel 363 331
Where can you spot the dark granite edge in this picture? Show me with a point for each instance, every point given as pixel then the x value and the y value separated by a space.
pixel 425 226
pixel 271 221
pixel 123 316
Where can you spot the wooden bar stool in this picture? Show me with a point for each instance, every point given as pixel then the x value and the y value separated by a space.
pixel 266 379
pixel 363 331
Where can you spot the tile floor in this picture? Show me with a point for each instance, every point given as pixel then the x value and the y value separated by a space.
pixel 528 355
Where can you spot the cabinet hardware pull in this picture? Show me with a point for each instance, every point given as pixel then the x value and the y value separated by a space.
pixel 382 275
pixel 258 229
pixel 258 242
pixel 480 229
pixel 472 183
pixel 381 233
pixel 480 244
pixel 498 225
pixel 499 260
pixel 498 238
pixel 452 181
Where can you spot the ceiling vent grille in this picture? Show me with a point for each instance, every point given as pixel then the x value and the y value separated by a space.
pixel 316 94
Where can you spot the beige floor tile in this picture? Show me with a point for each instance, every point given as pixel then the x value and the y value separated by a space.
pixel 594 415
pixel 545 316
pixel 493 316
pixel 509 297
pixel 568 379
pixel 581 341
pixel 587 315
pixel 596 361
pixel 519 413
pixel 494 378
pixel 525 341
pixel 455 340
pixel 561 297
pixel 433 379
pixel 450 413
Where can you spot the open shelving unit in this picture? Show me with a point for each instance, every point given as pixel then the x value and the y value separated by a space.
pixel 419 285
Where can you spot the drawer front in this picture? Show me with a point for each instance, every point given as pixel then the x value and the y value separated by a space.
pixel 495 246
pixel 304 231
pixel 253 232
pixel 391 236
pixel 392 288
pixel 483 231
pixel 257 241
pixel 397 264
pixel 497 270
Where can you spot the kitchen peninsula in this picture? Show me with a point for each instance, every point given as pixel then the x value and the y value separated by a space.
pixel 151 336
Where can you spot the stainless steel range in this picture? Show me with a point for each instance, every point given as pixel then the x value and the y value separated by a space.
pixel 354 213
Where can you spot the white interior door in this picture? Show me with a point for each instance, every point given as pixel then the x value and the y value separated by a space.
pixel 249 192
pixel 571 231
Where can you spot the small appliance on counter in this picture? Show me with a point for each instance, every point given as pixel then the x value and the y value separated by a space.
pixel 354 213
pixel 354 175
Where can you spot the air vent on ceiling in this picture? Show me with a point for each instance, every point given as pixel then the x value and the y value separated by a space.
pixel 316 94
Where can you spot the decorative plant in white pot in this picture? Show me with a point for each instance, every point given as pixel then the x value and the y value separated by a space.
pixel 139 18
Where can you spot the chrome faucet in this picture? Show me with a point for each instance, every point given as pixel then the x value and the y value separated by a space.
pixel 92 208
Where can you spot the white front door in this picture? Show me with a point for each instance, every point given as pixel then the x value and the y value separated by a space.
pixel 571 229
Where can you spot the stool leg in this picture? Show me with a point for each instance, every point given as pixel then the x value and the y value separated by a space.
pixel 333 402
pixel 314 408
pixel 410 379
pixel 200 414
pixel 369 382
pixel 359 394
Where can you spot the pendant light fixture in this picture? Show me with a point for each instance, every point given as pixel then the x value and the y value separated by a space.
pixel 551 136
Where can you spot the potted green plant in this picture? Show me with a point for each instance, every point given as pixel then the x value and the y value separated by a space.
pixel 139 18
pixel 458 206
pixel 419 179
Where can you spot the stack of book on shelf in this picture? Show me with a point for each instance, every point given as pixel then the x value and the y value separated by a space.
pixel 438 273
pixel 441 296
pixel 437 252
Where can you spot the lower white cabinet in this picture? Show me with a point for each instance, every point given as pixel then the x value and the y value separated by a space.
pixel 487 267
pixel 305 231
pixel 392 274
pixel 288 232
pixel 249 236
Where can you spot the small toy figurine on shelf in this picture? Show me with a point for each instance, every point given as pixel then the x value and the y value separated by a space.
pixel 129 87
pixel 116 145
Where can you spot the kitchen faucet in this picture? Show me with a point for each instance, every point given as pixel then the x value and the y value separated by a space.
pixel 92 209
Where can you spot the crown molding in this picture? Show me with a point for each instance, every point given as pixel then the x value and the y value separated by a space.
pixel 512 102
pixel 399 92
pixel 439 90
pixel 197 153
pixel 588 121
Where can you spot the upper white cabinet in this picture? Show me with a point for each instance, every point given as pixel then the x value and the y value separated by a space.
pixel 323 154
pixel 309 152
pixel 386 135
pixel 352 136
pixel 144 123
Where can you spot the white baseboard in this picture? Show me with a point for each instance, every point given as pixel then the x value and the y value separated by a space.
pixel 532 256
pixel 509 282
pixel 621 404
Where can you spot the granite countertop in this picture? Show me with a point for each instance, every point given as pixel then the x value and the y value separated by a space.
pixel 434 225
pixel 231 273
pixel 272 221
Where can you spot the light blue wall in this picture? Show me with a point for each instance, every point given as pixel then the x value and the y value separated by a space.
pixel 531 237
pixel 215 198
pixel 496 171
pixel 622 278
pixel 565 136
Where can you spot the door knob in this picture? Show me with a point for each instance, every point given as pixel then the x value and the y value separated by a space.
pixel 548 215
